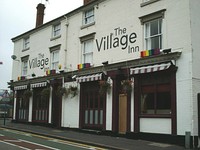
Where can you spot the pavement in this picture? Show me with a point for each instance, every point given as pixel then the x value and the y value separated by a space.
pixel 95 139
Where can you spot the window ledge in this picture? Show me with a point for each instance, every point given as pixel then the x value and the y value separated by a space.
pixel 87 25
pixel 25 49
pixel 147 3
pixel 54 38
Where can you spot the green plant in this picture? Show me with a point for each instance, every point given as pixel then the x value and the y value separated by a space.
pixel 27 94
pixel 45 93
pixel 61 91
pixel 126 86
pixel 104 87
pixel 72 90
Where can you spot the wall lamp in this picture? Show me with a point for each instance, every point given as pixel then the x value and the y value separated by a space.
pixel 167 51
pixel 14 57
pixel 105 63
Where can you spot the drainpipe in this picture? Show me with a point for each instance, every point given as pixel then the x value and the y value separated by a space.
pixel 66 41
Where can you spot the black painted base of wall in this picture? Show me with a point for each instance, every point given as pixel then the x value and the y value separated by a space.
pixel 164 138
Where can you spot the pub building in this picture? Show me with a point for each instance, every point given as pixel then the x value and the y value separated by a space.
pixel 117 67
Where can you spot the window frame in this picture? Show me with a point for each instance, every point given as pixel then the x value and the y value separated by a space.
pixel 148 38
pixel 24 65
pixel 158 15
pixel 53 50
pixel 86 53
pixel 54 62
pixel 83 40
pixel 155 89
pixel 26 43
pixel 87 16
pixel 56 31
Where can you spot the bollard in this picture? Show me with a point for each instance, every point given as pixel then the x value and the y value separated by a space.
pixel 187 139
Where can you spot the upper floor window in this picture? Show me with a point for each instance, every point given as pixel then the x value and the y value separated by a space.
pixel 88 16
pixel 55 57
pixel 153 29
pixel 26 43
pixel 24 65
pixel 153 34
pixel 88 51
pixel 56 30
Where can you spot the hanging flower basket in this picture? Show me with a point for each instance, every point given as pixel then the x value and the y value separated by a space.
pixel 72 90
pixel 61 91
pixel 27 94
pixel 104 87
pixel 126 86
pixel 45 93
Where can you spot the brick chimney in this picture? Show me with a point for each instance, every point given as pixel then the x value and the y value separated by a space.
pixel 87 1
pixel 40 14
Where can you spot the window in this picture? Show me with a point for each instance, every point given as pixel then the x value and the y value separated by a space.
pixel 155 97
pixel 54 52
pixel 88 51
pixel 153 34
pixel 26 43
pixel 24 65
pixel 156 100
pixel 89 16
pixel 153 29
pixel 24 68
pixel 56 30
pixel 54 59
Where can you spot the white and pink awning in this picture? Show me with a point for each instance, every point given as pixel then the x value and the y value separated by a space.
pixel 150 68
pixel 21 87
pixel 88 78
pixel 40 84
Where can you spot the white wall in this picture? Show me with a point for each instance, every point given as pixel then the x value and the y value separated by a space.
pixel 70 109
pixel 195 23
pixel 109 107
pixel 155 125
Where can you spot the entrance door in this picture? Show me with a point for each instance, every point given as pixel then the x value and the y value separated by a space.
pixel 122 113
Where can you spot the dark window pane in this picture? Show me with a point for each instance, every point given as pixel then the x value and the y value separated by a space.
pixel 147 103
pixel 163 103
pixel 155 42
pixel 154 27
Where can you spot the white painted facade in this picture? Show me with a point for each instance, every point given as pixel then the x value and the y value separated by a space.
pixel 116 19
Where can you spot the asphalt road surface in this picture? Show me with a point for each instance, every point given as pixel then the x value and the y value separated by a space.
pixel 17 140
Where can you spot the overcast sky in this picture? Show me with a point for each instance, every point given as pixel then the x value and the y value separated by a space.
pixel 19 16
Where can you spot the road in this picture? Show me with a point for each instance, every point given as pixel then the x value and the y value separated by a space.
pixel 17 140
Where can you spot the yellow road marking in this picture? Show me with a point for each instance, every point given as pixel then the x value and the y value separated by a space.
pixel 55 140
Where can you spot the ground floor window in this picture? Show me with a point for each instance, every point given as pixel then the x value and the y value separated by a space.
pixel 155 96
pixel 93 106
pixel 40 106
pixel 155 99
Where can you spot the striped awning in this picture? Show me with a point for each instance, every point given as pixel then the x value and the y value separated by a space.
pixel 93 77
pixel 21 87
pixel 149 69
pixel 40 84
